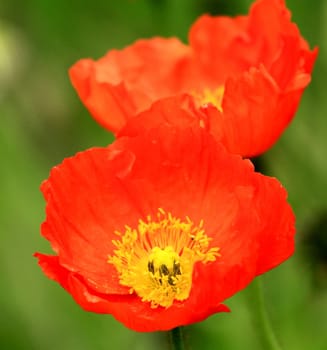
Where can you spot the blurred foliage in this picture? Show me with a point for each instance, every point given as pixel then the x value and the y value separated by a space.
pixel 42 121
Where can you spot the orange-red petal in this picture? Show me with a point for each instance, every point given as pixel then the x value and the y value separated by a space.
pixel 123 83
pixel 178 111
pixel 127 309
pixel 264 65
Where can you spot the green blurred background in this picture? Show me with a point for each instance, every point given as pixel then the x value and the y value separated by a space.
pixel 42 121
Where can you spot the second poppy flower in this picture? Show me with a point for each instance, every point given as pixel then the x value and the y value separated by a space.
pixel 251 69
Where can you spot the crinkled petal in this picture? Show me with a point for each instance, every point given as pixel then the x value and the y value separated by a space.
pixel 123 83
pixel 127 309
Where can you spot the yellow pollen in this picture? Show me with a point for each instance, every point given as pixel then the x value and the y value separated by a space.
pixel 156 259
pixel 210 96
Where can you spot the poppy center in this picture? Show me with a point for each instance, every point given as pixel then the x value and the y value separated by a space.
pixel 164 265
pixel 156 259
pixel 210 96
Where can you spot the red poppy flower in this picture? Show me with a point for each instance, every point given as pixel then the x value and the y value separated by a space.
pixel 253 69
pixel 159 229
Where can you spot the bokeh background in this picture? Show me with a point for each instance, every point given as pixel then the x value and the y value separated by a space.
pixel 42 121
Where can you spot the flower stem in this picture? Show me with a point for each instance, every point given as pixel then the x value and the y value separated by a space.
pixel 176 339
pixel 260 317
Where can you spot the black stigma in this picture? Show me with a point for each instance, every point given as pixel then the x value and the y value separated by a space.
pixel 176 269
pixel 171 281
pixel 163 269
pixel 151 267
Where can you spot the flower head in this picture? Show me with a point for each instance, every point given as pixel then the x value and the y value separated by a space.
pixel 251 69
pixel 159 229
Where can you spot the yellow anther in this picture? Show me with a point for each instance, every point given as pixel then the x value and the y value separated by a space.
pixel 210 96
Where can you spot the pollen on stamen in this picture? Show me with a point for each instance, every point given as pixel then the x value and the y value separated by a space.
pixel 210 96
pixel 156 259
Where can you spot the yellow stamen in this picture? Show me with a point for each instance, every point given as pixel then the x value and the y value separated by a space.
pixel 209 96
pixel 156 259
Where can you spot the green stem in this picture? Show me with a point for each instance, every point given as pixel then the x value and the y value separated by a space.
pixel 176 339
pixel 260 317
